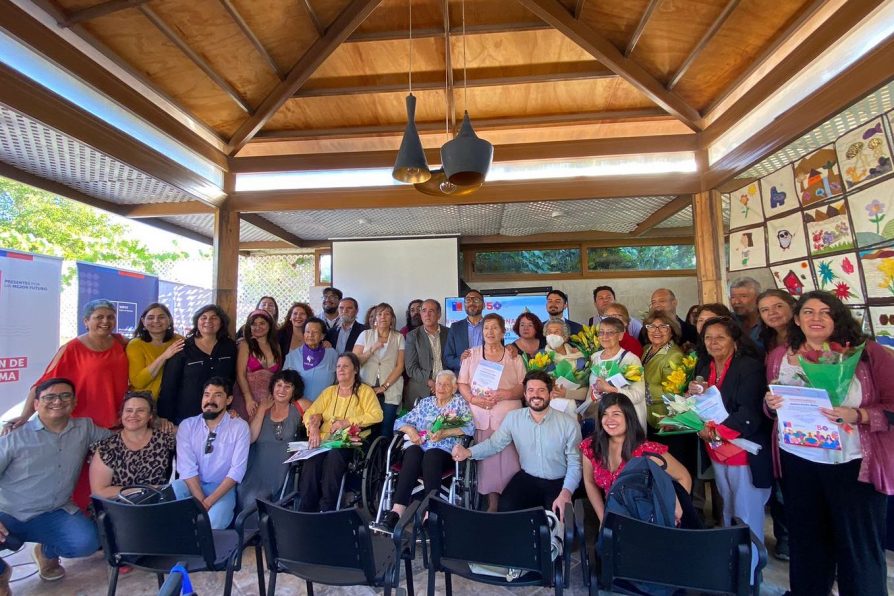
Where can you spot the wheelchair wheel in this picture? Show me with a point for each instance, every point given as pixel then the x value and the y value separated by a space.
pixel 374 475
pixel 469 490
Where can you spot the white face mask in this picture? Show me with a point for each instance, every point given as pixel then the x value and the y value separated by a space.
pixel 555 341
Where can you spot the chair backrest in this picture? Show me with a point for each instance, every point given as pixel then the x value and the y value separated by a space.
pixel 174 528
pixel 516 539
pixel 332 539
pixel 715 560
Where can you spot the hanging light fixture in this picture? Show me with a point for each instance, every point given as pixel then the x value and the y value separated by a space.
pixel 410 165
pixel 466 158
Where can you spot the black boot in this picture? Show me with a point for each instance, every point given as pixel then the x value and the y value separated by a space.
pixel 387 525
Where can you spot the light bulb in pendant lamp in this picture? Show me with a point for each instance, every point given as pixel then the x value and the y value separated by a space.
pixel 466 157
pixel 410 166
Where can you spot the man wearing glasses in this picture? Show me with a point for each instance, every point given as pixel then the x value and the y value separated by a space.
pixel 212 453
pixel 39 466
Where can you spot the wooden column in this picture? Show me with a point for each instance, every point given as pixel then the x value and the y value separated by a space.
pixel 708 224
pixel 226 262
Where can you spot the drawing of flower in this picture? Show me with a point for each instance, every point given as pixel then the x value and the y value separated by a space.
pixel 886 267
pixel 847 266
pixel 876 210
pixel 825 272
pixel 828 238
pixel 745 208
pixel 843 291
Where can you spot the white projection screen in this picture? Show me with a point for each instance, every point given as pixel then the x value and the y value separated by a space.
pixel 396 271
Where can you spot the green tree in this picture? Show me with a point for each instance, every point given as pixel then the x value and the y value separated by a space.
pixel 36 221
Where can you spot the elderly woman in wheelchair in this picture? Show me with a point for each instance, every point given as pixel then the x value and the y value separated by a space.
pixel 348 403
pixel 430 430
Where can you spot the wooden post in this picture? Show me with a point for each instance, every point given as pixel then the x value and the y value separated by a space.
pixel 226 263
pixel 708 222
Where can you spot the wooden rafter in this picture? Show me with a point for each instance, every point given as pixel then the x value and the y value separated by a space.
pixel 252 38
pixel 478 77
pixel 345 24
pixel 579 8
pixel 555 14
pixel 312 15
pixel 271 228
pixel 591 238
pixel 449 81
pixel 100 10
pixel 662 213
pixel 196 59
pixel 432 32
pixel 145 210
pixel 703 42
pixel 647 14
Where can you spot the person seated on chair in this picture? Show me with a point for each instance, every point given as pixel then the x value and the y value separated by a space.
pixel 212 453
pixel 39 466
pixel 427 453
pixel 547 444
pixel 138 454
pixel 342 405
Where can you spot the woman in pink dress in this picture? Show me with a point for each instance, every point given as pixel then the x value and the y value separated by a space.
pixel 490 406
pixel 258 358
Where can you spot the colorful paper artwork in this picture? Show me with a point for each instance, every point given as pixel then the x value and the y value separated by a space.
pixel 779 193
pixel 840 275
pixel 794 278
pixel 817 176
pixel 785 238
pixel 883 324
pixel 878 272
pixel 864 154
pixel 828 228
pixel 872 211
pixel 746 249
pixel 745 207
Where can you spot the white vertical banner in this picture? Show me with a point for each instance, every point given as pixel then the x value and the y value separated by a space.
pixel 30 288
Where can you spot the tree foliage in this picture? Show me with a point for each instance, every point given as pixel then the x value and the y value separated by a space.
pixel 36 221
pixel 528 261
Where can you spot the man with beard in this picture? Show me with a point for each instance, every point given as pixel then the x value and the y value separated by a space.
pixel 422 357
pixel 547 442
pixel 343 335
pixel 556 301
pixel 331 298
pixel 465 334
pixel 414 316
pixel 212 454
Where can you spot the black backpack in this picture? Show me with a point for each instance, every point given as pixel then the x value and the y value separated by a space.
pixel 644 491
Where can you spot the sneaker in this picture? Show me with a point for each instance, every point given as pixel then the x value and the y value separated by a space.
pixel 4 581
pixel 49 569
pixel 781 551
pixel 387 525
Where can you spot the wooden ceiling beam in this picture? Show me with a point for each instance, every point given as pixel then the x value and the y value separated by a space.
pixel 514 152
pixel 478 77
pixel 312 15
pixel 634 39
pixel 662 213
pixel 196 59
pixel 252 38
pixel 432 32
pixel 593 238
pixel 555 14
pixel 491 193
pixel 345 24
pixel 268 226
pixel 703 42
pixel 579 8
pixel 866 75
pixel 279 245
pixel 100 10
pixel 145 210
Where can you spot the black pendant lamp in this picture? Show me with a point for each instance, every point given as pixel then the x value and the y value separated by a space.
pixel 410 165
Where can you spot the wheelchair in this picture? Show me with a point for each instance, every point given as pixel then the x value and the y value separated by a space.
pixel 459 483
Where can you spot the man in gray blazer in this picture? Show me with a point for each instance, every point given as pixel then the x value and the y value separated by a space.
pixel 424 353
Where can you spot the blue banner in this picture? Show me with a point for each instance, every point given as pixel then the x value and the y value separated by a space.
pixel 508 307
pixel 130 291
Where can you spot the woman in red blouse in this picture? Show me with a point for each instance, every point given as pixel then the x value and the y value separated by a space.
pixel 618 438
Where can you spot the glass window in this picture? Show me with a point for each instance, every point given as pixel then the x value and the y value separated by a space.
pixel 563 260
pixel 325 268
pixel 642 258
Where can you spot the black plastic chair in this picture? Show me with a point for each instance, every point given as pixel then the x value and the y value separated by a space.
pixel 334 548
pixel 158 536
pixel 716 560
pixel 457 537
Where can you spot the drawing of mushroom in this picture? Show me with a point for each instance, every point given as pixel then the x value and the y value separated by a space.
pixel 856 151
pixel 875 144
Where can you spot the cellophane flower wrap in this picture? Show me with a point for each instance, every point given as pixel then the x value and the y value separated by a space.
pixel 345 437
pixel 446 421
pixel 831 368
pixel 680 414
pixel 586 340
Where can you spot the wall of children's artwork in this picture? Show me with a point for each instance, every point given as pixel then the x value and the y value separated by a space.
pixel 826 221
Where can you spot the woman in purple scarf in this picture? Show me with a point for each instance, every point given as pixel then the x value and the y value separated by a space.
pixel 314 362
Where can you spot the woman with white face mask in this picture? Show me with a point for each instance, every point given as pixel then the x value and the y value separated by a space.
pixel 564 398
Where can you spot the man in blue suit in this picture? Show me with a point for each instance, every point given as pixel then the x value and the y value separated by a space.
pixel 556 301
pixel 465 334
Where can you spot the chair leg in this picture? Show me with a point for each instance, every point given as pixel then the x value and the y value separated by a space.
pixel 271 586
pixel 228 581
pixel 310 588
pixel 113 581
pixel 448 584
pixel 409 573
pixel 431 581
pixel 259 564
pixel 161 579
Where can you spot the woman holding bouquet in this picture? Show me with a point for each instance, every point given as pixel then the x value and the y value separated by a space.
pixel 730 362
pixel 557 345
pixel 836 497
pixel 347 404
pixel 613 357
pixel 428 453
pixel 490 406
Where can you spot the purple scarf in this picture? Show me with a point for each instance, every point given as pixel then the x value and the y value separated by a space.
pixel 311 357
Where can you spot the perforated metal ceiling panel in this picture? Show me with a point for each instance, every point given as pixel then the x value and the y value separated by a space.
pixel 204 224
pixel 601 215
pixel 38 149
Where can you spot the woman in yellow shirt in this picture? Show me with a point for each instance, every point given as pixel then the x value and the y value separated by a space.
pixel 153 344
pixel 339 406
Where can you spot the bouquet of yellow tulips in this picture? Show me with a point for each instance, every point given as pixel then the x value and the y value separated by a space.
pixel 632 372
pixel 586 340
pixel 541 361
pixel 677 382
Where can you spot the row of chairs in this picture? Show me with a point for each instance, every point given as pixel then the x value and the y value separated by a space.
pixel 337 548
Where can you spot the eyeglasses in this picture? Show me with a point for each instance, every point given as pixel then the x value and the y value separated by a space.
pixel 209 444
pixel 49 398
pixel 473 299
pixel 661 327
pixel 607 333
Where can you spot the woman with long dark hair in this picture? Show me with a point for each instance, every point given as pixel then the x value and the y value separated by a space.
pixel 257 359
pixel 291 333
pixel 776 308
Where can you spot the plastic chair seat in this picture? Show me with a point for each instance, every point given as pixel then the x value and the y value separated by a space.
pixel 461 568
pixel 225 544
pixel 383 556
